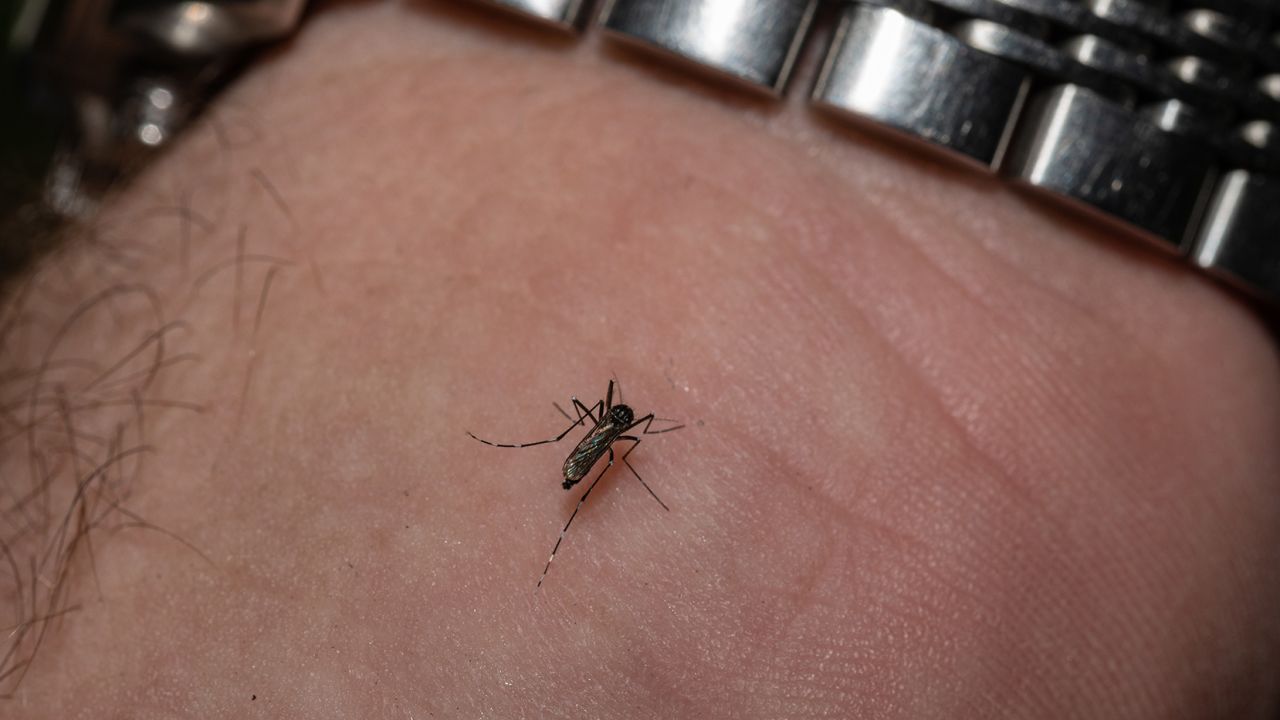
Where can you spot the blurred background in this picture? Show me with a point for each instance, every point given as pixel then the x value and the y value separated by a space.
pixel 92 89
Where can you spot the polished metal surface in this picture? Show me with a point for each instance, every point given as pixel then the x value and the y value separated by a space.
pixel 204 28
pixel 566 14
pixel 1162 116
pixel 1039 57
pixel 885 66
pixel 1240 237
pixel 998 11
pixel 1069 15
pixel 754 42
pixel 156 112
pixel 1110 58
pixel 922 10
pixel 1178 117
pixel 1088 150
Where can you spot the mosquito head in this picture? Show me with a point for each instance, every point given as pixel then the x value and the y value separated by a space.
pixel 621 415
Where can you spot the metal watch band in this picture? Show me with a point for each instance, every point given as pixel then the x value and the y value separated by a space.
pixel 1162 117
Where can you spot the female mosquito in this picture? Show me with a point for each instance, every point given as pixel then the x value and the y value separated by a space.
pixel 612 423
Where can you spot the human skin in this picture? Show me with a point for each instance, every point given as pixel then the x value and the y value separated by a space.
pixel 948 451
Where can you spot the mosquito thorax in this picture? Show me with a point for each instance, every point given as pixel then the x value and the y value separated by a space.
pixel 621 415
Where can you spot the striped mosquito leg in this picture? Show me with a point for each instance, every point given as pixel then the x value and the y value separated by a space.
pixel 557 438
pixel 574 514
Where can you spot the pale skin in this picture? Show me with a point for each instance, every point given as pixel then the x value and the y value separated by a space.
pixel 950 452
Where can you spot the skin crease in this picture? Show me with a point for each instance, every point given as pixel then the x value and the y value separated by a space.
pixel 950 452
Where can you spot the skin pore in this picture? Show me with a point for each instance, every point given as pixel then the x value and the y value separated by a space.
pixel 949 451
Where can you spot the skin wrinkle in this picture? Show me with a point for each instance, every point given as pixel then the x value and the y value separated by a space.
pixel 953 406
pixel 992 464
pixel 965 421
pixel 994 296
pixel 940 269
pixel 930 391
pixel 783 474
pixel 727 535
pixel 802 592
pixel 865 520
pixel 1011 276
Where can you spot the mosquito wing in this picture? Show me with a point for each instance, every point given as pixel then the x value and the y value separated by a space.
pixel 592 447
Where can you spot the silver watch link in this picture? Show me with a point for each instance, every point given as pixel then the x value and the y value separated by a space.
pixel 1160 117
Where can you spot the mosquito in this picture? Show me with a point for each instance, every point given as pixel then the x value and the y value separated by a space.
pixel 611 426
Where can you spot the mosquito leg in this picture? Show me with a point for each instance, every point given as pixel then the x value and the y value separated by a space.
pixel 562 412
pixel 557 438
pixel 578 407
pixel 573 515
pixel 648 420
pixel 627 462
pixel 586 410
